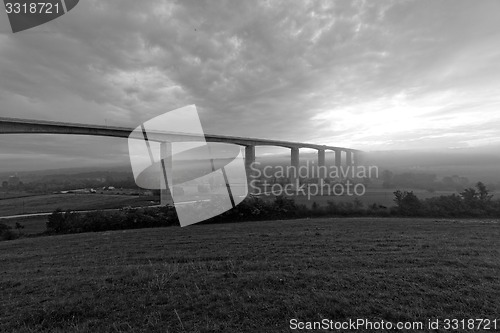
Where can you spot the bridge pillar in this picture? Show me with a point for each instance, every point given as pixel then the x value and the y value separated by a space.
pixel 249 160
pixel 321 165
pixel 338 158
pixel 166 165
pixel 294 172
pixel 348 158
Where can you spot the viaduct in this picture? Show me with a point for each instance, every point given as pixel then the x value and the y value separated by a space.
pixel 24 126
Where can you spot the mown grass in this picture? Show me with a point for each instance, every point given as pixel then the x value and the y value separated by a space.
pixel 251 277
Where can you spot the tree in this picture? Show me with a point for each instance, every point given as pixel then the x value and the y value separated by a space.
pixel 407 203
pixel 483 193
pixel 55 221
pixel 6 233
pixel 476 199
pixel 469 195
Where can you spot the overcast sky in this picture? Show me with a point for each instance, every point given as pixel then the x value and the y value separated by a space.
pixel 371 75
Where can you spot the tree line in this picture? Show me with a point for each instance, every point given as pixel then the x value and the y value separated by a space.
pixel 471 202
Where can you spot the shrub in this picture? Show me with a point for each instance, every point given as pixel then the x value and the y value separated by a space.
pixel 6 233
pixel 70 222
pixel 445 206
pixel 55 222
pixel 471 202
pixel 407 203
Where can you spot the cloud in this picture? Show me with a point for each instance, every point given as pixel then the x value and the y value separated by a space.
pixel 371 75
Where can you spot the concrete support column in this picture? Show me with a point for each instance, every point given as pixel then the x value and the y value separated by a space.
pixel 321 165
pixel 294 172
pixel 249 160
pixel 166 168
pixel 348 158
pixel 338 158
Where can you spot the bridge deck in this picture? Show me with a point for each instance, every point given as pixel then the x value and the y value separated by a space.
pixel 26 126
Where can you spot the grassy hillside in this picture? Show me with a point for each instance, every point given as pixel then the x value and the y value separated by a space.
pixel 251 277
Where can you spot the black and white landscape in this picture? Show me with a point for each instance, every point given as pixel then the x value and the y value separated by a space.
pixel 407 89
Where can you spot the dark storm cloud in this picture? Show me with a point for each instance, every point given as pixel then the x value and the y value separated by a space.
pixel 372 75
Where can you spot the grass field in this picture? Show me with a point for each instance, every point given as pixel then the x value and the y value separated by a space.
pixel 252 277
pixel 49 203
